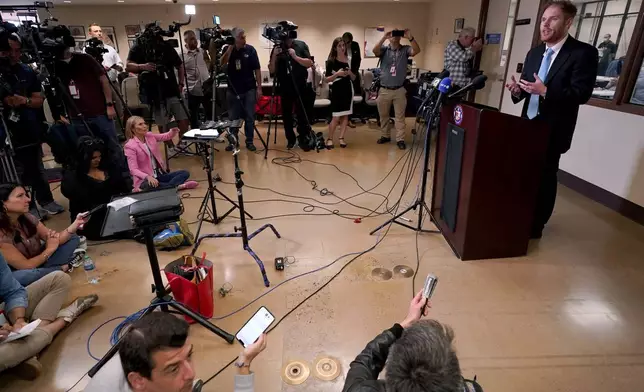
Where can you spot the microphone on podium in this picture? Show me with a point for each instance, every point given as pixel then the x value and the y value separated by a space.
pixel 476 84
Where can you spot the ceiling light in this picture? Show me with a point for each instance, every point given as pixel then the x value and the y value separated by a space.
pixel 191 9
pixel 120 1
pixel 168 1
pixel 67 1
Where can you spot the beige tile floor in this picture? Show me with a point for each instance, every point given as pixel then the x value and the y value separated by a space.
pixel 567 317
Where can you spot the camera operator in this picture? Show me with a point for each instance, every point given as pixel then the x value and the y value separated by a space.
pixel 156 356
pixel 111 60
pixel 244 83
pixel 23 115
pixel 86 84
pixel 196 62
pixel 296 53
pixel 419 356
pixel 162 91
pixel 393 67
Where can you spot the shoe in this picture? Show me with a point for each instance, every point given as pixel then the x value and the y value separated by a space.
pixel 168 239
pixel 53 208
pixel 401 145
pixel 77 259
pixel 83 242
pixel 188 185
pixel 343 144
pixel 39 213
pixel 291 145
pixel 251 147
pixel 29 369
pixel 383 140
pixel 229 147
pixel 329 144
pixel 78 306
pixel 351 125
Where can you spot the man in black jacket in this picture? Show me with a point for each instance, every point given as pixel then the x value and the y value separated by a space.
pixel 422 358
pixel 558 77
pixel 353 52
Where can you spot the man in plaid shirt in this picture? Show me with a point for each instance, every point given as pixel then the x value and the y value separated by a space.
pixel 459 55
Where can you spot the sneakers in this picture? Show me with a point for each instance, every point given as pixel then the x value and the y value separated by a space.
pixel 78 306
pixel 383 140
pixel 83 243
pixel 39 213
pixel 53 208
pixel 77 259
pixel 229 147
pixel 169 238
pixel 29 369
pixel 251 147
pixel 401 145
pixel 291 145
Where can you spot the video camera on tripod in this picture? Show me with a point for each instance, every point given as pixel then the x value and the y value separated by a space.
pixel 95 48
pixel 280 33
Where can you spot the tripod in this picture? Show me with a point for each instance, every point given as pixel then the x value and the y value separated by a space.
pixel 420 202
pixel 163 300
pixel 240 232
pixel 203 149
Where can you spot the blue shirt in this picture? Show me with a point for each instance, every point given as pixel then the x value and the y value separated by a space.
pixel 242 65
pixel 11 292
pixel 28 128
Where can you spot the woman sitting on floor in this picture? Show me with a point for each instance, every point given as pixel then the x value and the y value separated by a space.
pixel 31 249
pixel 144 159
pixel 93 182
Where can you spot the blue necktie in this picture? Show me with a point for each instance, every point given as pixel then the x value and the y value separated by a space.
pixel 533 107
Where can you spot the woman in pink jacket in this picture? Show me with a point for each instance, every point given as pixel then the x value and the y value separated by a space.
pixel 147 166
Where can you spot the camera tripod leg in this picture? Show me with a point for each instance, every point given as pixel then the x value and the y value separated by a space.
pixel 261 139
pixel 266 226
pixel 259 262
pixel 205 323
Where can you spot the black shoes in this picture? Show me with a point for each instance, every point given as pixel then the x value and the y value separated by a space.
pixel 383 140
pixel 229 147
pixel 251 147
pixel 291 145
pixel 401 145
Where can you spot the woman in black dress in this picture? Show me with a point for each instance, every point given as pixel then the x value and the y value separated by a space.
pixel 339 73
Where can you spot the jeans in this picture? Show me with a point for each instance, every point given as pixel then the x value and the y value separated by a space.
pixel 244 107
pixel 290 101
pixel 32 171
pixel 169 180
pixel 62 256
pixel 194 101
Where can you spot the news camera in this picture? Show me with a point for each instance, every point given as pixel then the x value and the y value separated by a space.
pixel 215 36
pixel 95 48
pixel 40 43
pixel 280 33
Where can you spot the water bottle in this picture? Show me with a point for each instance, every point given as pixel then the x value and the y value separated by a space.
pixel 90 270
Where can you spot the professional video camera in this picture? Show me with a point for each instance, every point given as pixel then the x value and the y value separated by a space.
pixel 278 34
pixel 215 36
pixel 95 48
pixel 39 42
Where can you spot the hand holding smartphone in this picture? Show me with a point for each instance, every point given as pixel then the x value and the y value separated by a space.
pixel 255 327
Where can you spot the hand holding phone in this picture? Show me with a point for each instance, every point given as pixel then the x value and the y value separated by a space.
pixel 398 33
pixel 255 327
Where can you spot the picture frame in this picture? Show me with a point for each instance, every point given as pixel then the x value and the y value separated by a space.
pixel 109 37
pixel 78 32
pixel 132 30
pixel 459 24
pixel 131 43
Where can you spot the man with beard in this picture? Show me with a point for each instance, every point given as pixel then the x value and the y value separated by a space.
pixel 558 77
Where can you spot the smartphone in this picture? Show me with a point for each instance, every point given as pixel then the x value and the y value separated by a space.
pixel 257 325
pixel 398 33
pixel 215 20
pixel 93 210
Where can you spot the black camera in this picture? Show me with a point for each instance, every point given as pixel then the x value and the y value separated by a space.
pixel 37 40
pixel 283 31
pixel 95 48
pixel 215 36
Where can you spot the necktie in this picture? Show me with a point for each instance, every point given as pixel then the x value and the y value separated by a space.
pixel 533 107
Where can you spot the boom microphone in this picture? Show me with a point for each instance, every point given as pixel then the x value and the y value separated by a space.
pixel 476 84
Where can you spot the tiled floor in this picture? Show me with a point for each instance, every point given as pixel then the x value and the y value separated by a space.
pixel 567 317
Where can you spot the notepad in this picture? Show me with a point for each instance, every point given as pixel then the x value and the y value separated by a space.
pixel 25 331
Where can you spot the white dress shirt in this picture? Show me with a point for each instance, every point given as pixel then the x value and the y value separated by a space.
pixel 109 59
pixel 556 48
pixel 196 69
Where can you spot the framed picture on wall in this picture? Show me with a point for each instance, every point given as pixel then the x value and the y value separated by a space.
pixel 78 32
pixel 458 25
pixel 132 30
pixel 109 37
pixel 371 36
pixel 131 42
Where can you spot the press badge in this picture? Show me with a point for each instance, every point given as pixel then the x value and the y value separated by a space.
pixel 14 116
pixel 73 91
pixel 392 71
pixel 238 65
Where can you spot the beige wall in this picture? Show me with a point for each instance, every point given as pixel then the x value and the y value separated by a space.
pixel 439 29
pixel 608 146
pixel 319 23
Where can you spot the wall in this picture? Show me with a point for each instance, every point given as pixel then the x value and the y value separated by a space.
pixel 319 23
pixel 608 146
pixel 440 27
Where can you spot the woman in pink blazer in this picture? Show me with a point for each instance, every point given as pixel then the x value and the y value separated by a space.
pixel 147 166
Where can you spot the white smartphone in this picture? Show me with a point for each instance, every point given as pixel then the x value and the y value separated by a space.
pixel 257 325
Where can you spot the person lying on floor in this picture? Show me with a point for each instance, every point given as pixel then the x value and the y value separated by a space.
pixel 94 181
pixel 147 166
pixel 30 248
pixel 42 300
pixel 155 355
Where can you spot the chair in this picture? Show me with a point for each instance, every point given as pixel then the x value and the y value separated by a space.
pixel 130 91
pixel 370 97
pixel 322 104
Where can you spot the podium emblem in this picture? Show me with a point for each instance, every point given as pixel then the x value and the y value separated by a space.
pixel 458 114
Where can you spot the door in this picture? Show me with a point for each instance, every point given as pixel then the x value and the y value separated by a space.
pixel 497 37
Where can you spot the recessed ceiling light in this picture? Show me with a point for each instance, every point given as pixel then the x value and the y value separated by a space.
pixel 168 1
pixel 215 0
pixel 67 1
pixel 120 1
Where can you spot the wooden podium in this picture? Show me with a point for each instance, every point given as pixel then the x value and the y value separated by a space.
pixel 486 177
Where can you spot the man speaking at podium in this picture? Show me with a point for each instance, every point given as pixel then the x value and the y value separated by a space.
pixel 558 76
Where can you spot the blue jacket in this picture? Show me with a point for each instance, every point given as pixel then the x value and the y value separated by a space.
pixel 11 292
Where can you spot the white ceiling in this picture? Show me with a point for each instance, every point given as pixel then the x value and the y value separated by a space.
pixel 61 3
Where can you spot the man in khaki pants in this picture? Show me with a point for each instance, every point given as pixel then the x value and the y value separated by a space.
pixel 40 300
pixel 393 67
